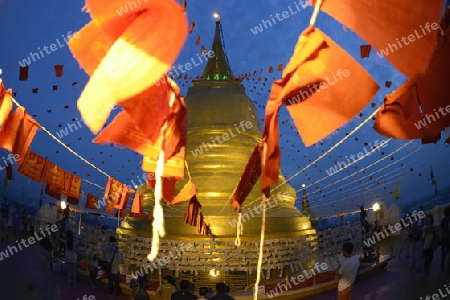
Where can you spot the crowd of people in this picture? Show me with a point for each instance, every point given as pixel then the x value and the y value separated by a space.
pixel 21 221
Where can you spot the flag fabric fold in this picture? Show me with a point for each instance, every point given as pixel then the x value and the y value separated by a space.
pixel 418 108
pixel 149 39
pixel 402 32
pixel 137 208
pixel 5 105
pixel 18 133
pixel 186 193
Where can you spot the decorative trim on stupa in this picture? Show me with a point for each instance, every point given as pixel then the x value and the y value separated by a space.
pixel 306 210
pixel 217 70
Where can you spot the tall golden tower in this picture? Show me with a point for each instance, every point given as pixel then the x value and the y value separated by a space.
pixel 223 129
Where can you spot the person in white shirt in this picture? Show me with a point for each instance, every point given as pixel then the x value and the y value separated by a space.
pixel 347 272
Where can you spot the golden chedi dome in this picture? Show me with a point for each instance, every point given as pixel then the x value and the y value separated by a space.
pixel 223 130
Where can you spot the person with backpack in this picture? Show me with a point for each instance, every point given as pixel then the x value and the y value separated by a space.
pixel 139 288
pixel 112 257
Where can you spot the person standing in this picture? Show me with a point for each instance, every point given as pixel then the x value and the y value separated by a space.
pixel 415 244
pixel 16 221
pixel 347 272
pixel 429 233
pixel 71 258
pixel 222 291
pixel 203 291
pixel 111 254
pixel 404 241
pixel 4 218
pixel 25 221
pixel 46 243
pixel 166 289
pixel 445 230
pixel 184 293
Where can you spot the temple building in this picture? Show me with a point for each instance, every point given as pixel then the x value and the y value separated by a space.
pixel 223 129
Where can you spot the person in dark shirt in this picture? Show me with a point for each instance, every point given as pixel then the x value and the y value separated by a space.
pixel 445 236
pixel 184 293
pixel 221 292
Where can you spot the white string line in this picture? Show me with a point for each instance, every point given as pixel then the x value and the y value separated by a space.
pixel 323 155
pixel 375 179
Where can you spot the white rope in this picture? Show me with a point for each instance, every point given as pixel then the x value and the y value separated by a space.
pixel 240 229
pixel 261 246
pixel 315 13
pixel 158 212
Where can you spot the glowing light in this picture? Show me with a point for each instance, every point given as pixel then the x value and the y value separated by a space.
pixel 303 185
pixel 376 206
pixel 214 272
pixel 63 204
pixel 136 186
pixel 216 15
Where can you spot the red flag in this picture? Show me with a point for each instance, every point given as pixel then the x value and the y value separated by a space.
pixel 23 73
pixel 402 32
pixel 18 132
pixel 58 70
pixel 197 41
pixel 124 198
pixel 193 212
pixel 191 28
pixel 248 179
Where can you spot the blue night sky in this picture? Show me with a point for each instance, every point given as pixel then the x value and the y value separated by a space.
pixel 27 25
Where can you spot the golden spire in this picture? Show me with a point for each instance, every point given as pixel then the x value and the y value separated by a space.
pixel 217 68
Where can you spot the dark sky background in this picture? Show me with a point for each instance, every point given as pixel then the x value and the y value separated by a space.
pixel 27 25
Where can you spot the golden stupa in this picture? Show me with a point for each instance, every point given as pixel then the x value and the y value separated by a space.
pixel 223 129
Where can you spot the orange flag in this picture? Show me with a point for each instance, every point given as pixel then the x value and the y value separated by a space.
pixel 5 105
pixel 193 213
pixel 67 182
pixel 148 56
pixel 197 41
pixel 315 86
pixel 18 132
pixel 91 201
pixel 52 193
pixel 53 175
pixel 186 193
pixel 32 166
pixel 403 33
pixel 75 187
pixel 113 191
pixel 124 198
pixel 137 208
pixel 168 184
pixel 400 116
pixel 270 69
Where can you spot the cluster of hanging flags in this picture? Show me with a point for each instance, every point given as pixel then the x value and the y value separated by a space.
pixel 154 116
pixel 144 126
pixel 425 61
